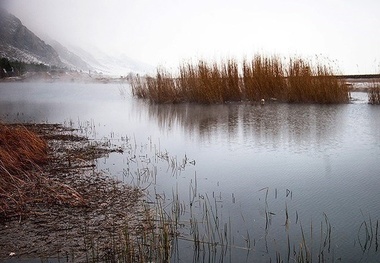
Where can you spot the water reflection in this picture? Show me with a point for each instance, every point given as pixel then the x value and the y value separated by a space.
pixel 375 123
pixel 327 155
pixel 270 126
pixel 21 111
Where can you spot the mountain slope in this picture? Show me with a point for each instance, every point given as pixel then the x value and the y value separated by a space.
pixel 70 59
pixel 19 43
pixel 116 64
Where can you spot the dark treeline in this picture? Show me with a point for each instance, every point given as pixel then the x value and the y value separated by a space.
pixel 17 68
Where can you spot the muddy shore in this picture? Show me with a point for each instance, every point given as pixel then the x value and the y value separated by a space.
pixel 93 229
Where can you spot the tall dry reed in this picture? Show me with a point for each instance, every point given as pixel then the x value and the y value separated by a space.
pixel 160 89
pixel 208 88
pixel 265 78
pixel 374 94
pixel 139 86
pixel 314 84
pixel 231 84
pixel 209 82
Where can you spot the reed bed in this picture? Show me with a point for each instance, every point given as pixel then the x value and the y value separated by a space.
pixel 113 225
pixel 261 79
pixel 314 84
pixel 264 78
pixel 374 94
pixel 161 89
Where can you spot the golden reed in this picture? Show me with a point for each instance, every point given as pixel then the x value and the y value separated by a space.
pixel 259 79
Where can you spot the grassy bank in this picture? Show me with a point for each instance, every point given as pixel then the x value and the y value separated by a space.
pixel 23 153
pixel 263 78
pixel 55 204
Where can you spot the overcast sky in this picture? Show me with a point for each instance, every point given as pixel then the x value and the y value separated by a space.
pixel 167 32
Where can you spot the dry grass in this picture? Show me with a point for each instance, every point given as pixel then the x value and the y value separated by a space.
pixel 314 84
pixel 201 83
pixel 231 88
pixel 374 94
pixel 262 78
pixel 20 149
pixel 22 182
pixel 43 167
pixel 161 89
pixel 139 86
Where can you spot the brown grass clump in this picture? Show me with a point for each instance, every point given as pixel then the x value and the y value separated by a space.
pixel 264 79
pixel 202 83
pixel 188 82
pixel 374 94
pixel 161 89
pixel 22 154
pixel 139 86
pixel 231 87
pixel 20 149
pixel 211 82
pixel 314 84
pixel 208 89
pixel 261 79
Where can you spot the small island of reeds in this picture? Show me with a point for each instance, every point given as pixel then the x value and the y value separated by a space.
pixel 261 79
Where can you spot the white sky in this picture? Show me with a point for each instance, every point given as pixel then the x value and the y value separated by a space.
pixel 345 33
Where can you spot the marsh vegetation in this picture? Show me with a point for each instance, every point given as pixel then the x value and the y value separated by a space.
pixel 374 93
pixel 54 204
pixel 263 78
pixel 22 156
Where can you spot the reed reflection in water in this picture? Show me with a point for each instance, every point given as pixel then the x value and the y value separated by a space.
pixel 270 126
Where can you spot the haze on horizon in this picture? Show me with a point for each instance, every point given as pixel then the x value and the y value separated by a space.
pixel 344 33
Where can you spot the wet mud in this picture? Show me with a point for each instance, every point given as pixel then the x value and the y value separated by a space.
pixel 90 227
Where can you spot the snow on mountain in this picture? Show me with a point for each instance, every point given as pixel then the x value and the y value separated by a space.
pixel 17 42
pixel 69 58
pixel 115 64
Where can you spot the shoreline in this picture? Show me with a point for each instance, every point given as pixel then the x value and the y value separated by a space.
pixel 94 230
pixel 82 77
pixel 69 76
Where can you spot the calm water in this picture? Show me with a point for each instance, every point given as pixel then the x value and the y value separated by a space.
pixel 320 164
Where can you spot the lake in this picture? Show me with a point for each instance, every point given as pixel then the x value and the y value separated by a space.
pixel 250 182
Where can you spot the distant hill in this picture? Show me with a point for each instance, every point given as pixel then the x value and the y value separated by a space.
pixel 70 59
pixel 116 64
pixel 19 43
